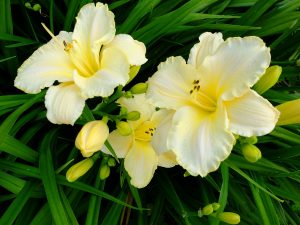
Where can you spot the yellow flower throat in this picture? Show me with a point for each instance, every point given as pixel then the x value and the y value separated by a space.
pixel 145 131
pixel 201 99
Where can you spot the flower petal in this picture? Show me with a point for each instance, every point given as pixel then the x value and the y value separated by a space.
pixel 207 46
pixel 251 115
pixel 170 86
pixel 64 103
pixel 114 71
pixel 95 26
pixel 237 65
pixel 141 163
pixel 200 140
pixel 163 119
pixel 134 50
pixel 47 64
pixel 120 144
pixel 167 159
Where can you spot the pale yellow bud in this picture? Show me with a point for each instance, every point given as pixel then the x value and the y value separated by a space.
pixel 92 137
pixel 104 171
pixel 133 72
pixel 251 153
pixel 139 88
pixel 207 210
pixel 124 128
pixel 79 169
pixel 268 80
pixel 133 115
pixel 289 112
pixel 229 217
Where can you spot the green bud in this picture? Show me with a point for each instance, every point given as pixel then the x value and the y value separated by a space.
pixel 28 5
pixel 139 88
pixel 215 206
pixel 36 7
pixel 186 174
pixel 268 80
pixel 207 210
pixel 128 94
pixel 124 128
pixel 133 115
pixel 123 111
pixel 229 217
pixel 133 72
pixel 79 169
pixel 248 140
pixel 104 171
pixel 111 162
pixel 251 153
pixel 289 112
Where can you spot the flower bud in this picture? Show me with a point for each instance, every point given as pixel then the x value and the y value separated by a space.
pixel 251 153
pixel 36 7
pixel 268 80
pixel 104 171
pixel 215 206
pixel 133 115
pixel 128 94
pixel 133 72
pixel 28 5
pixel 248 140
pixel 123 111
pixel 79 169
pixel 289 112
pixel 207 210
pixel 92 137
pixel 111 162
pixel 124 128
pixel 139 88
pixel 229 217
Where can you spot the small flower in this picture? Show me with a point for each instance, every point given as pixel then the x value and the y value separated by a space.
pixel 145 148
pixel 79 169
pixel 268 80
pixel 289 112
pixel 251 152
pixel 90 61
pixel 212 98
pixel 91 137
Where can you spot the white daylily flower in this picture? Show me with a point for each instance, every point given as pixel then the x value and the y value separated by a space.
pixel 145 148
pixel 213 100
pixel 89 62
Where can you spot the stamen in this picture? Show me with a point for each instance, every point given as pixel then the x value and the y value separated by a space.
pixel 48 31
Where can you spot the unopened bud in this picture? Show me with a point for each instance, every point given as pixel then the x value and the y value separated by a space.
pixel 104 171
pixel 111 162
pixel 128 94
pixel 251 153
pixel 91 137
pixel 28 5
pixel 268 80
pixel 79 169
pixel 124 128
pixel 123 111
pixel 139 88
pixel 186 174
pixel 215 206
pixel 36 7
pixel 248 140
pixel 207 210
pixel 133 72
pixel 133 115
pixel 289 112
pixel 229 217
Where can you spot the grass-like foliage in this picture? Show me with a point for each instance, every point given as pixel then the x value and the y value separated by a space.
pixel 36 154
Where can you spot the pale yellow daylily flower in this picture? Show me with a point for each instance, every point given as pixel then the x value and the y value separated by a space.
pixel 90 61
pixel 145 148
pixel 91 137
pixel 213 100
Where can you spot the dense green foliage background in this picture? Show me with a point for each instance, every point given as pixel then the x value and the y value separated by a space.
pixel 34 151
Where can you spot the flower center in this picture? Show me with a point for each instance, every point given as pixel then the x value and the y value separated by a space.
pixel 145 131
pixel 201 99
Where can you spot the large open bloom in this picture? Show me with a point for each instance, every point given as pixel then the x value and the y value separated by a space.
pixel 145 148
pixel 89 62
pixel 212 98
